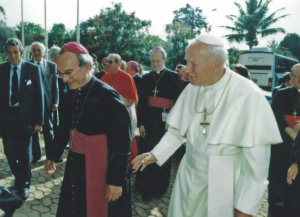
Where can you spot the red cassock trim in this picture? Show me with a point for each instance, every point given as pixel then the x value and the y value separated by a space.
pixel 159 102
pixel 291 120
pixel 95 150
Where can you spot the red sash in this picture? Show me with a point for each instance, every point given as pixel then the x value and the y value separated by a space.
pixel 159 102
pixel 95 150
pixel 291 120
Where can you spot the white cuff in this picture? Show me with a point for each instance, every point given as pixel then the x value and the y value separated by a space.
pixel 165 148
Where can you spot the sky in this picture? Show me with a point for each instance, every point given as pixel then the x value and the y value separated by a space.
pixel 160 12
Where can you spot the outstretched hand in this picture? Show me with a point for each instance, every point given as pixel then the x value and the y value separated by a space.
pixel 143 160
pixel 49 166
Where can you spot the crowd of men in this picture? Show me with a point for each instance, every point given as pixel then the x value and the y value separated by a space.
pixel 118 114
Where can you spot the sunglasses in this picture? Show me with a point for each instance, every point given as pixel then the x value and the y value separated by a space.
pixel 109 61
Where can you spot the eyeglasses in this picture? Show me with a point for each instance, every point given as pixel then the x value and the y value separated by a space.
pixel 109 61
pixel 67 74
pixel 296 75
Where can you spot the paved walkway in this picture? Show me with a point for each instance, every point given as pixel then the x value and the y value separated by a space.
pixel 45 190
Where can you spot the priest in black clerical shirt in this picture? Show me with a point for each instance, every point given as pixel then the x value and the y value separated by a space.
pixel 160 89
pixel 284 198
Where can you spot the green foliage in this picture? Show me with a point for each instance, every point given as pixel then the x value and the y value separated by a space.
pixel 187 23
pixel 291 42
pixel 32 32
pixel 277 48
pixel 252 22
pixel 2 17
pixel 56 35
pixel 5 33
pixel 115 31
pixel 233 56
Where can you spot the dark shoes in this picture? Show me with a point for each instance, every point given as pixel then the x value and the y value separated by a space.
pixel 9 202
pixel 23 194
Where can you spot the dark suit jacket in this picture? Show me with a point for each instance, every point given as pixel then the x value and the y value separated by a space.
pixel 50 84
pixel 31 95
pixel 276 89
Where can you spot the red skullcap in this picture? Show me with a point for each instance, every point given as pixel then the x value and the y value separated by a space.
pixel 133 63
pixel 157 48
pixel 74 47
pixel 104 60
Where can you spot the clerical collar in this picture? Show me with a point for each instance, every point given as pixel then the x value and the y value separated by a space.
pixel 87 85
pixel 160 70
pixel 221 82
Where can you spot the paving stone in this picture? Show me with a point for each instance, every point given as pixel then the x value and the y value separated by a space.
pixel 38 194
pixel 45 190
pixel 48 214
pixel 142 205
pixel 141 212
pixel 47 201
pixel 53 208
pixel 49 185
pixel 41 209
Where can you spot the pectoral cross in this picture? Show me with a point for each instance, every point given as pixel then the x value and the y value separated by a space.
pixel 295 113
pixel 155 91
pixel 204 123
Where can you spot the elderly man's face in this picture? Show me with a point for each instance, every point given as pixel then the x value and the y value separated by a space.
pixel 112 66
pixel 296 78
pixel 157 61
pixel 37 52
pixel 130 70
pixel 140 69
pixel 200 70
pixel 123 66
pixel 185 76
pixel 67 63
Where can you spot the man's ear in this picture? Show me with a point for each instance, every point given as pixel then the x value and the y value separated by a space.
pixel 217 64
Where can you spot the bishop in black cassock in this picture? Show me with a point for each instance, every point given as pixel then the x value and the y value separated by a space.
pixel 98 128
pixel 284 199
pixel 160 89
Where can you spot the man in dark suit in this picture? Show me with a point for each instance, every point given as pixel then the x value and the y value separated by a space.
pixel 48 70
pixel 21 112
pixel 286 82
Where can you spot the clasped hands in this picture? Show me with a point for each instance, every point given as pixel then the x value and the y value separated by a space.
pixel 112 192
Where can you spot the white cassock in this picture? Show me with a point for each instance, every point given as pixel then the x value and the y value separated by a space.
pixel 228 167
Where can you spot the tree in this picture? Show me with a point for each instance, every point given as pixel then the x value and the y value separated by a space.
pixel 5 33
pixel 57 34
pixel 191 17
pixel 32 32
pixel 233 56
pixel 187 23
pixel 2 17
pixel 292 42
pixel 115 31
pixel 252 22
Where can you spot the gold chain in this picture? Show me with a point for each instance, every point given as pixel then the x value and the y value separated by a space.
pixel 204 110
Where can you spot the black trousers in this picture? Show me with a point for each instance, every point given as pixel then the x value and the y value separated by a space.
pixel 48 136
pixel 17 148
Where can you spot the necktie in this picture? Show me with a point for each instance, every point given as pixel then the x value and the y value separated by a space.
pixel 39 64
pixel 14 88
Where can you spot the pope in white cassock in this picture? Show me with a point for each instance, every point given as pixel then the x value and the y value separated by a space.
pixel 228 127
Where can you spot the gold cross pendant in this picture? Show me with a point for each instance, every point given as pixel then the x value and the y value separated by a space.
pixel 204 123
pixel 155 91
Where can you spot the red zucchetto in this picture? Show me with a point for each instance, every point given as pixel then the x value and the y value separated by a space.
pixel 104 60
pixel 74 47
pixel 133 63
